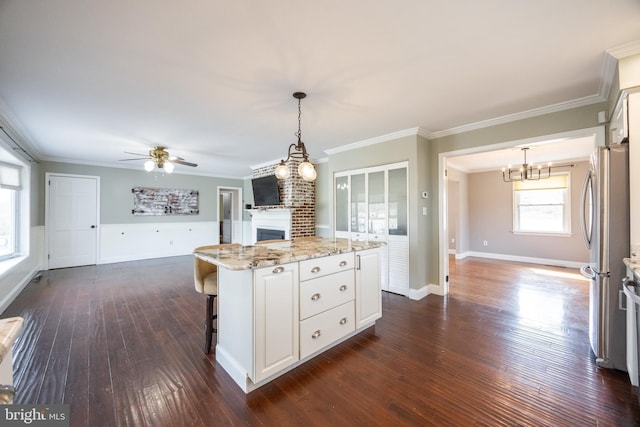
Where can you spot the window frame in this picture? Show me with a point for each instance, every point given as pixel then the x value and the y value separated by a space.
pixel 15 226
pixel 566 214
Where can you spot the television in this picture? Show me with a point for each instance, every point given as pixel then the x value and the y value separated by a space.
pixel 266 191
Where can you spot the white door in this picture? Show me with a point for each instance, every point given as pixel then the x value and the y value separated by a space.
pixel 72 220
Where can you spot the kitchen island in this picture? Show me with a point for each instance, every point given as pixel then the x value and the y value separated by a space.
pixel 280 304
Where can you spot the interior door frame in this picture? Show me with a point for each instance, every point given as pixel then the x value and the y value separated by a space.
pixel 443 231
pixel 47 211
pixel 236 212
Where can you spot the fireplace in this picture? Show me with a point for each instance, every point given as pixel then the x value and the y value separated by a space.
pixel 271 222
pixel 269 234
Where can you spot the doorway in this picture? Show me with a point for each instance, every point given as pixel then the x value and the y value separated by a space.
pixel 447 160
pixel 230 214
pixel 72 217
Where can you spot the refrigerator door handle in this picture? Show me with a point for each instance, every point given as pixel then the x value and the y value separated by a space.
pixel 586 233
pixel 588 272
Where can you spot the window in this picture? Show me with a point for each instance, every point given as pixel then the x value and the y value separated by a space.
pixel 7 223
pixel 10 186
pixel 542 206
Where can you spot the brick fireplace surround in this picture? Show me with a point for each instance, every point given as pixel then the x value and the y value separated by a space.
pixel 297 195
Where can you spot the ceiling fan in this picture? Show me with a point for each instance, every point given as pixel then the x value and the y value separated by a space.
pixel 159 157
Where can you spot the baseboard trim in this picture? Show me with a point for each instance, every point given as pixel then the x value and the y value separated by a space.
pixel 531 260
pixel 15 291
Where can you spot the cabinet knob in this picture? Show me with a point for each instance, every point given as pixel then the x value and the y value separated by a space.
pixel 315 297
pixel 343 320
pixel 343 263
pixel 316 334
pixel 343 287
pixel 278 270
pixel 315 269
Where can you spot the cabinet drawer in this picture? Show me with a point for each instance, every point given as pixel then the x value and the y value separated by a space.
pixel 323 293
pixel 316 267
pixel 323 329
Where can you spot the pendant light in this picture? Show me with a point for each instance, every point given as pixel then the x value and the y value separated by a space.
pixel 297 151
pixel 529 172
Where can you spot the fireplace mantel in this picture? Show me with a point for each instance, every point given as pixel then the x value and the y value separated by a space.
pixel 271 219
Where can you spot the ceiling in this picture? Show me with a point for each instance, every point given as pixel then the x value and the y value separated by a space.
pixel 85 81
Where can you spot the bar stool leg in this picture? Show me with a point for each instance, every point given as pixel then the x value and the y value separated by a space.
pixel 209 323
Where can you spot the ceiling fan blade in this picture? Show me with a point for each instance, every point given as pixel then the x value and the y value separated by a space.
pixel 136 154
pixel 137 158
pixel 182 162
pixel 173 158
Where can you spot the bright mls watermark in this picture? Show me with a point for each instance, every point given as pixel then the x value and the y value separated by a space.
pixel 34 415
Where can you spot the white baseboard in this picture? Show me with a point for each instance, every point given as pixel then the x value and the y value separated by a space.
pixel 532 260
pixel 418 294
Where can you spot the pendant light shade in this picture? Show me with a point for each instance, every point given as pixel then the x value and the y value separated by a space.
pixel 297 151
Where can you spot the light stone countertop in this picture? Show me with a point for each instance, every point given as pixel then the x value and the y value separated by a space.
pixel 265 255
pixel 9 330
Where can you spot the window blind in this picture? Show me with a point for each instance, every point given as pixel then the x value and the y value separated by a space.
pixel 10 176
pixel 554 182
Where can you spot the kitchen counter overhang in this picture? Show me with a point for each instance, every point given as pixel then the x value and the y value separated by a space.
pixel 270 254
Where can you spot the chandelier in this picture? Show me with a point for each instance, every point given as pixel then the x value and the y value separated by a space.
pixel 528 171
pixel 297 151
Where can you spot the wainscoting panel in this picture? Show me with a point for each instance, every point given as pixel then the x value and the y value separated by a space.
pixel 129 242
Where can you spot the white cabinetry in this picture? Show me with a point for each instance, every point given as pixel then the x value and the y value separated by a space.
pixel 272 319
pixel 327 292
pixel 276 319
pixel 372 204
pixel 633 114
pixel 368 296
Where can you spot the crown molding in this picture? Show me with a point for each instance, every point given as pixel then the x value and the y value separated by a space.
pixel 10 123
pixel 379 139
pixel 554 108
pixel 129 166
pixel 624 50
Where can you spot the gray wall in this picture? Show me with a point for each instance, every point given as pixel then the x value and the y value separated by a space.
pixel 413 149
pixel 548 124
pixel 116 200
pixel 462 220
pixel 491 219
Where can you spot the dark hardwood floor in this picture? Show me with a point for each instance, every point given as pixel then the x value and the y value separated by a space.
pixel 122 344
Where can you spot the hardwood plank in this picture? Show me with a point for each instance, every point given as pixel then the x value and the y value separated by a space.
pixel 508 346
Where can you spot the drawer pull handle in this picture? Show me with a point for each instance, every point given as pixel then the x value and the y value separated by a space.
pixel 316 334
pixel 343 263
pixel 278 270
pixel 343 287
pixel 315 269
pixel 343 320
pixel 315 297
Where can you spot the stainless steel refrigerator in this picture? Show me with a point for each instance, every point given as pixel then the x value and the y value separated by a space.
pixel 605 224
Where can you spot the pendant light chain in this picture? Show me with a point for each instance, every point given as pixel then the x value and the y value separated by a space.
pixel 298 151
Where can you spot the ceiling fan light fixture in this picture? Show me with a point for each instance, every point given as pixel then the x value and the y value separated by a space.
pixel 297 151
pixel 149 165
pixel 168 167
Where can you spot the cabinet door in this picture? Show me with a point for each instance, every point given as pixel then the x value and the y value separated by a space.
pixel 377 204
pixel 358 207
pixel 398 201
pixel 276 319
pixel 368 292
pixel 342 206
